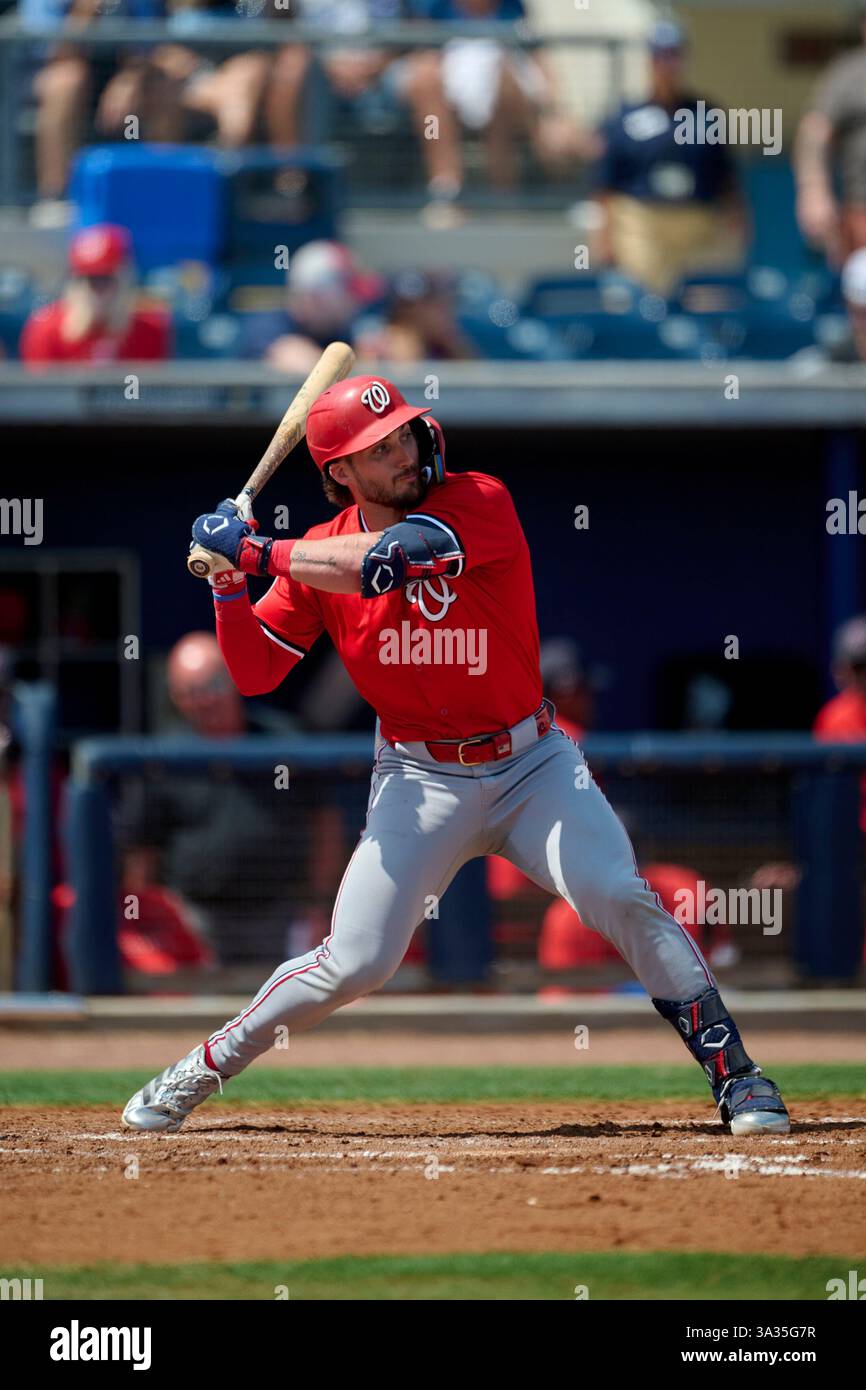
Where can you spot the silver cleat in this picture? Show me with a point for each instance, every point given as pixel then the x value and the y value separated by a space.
pixel 753 1105
pixel 164 1103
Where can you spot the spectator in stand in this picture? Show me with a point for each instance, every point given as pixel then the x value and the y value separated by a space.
pixel 500 91
pixel 418 325
pixel 76 86
pixel 367 81
pixel 97 319
pixel 832 140
pixel 190 854
pixel 326 295
pixel 570 685
pixel 665 208
pixel 843 718
pixel 174 92
pixel 232 98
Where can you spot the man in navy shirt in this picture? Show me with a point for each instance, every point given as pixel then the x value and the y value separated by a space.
pixel 668 206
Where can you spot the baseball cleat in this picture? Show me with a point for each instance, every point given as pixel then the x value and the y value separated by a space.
pixel 752 1105
pixel 164 1103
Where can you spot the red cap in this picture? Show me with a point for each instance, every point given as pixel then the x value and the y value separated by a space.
pixel 354 414
pixel 99 250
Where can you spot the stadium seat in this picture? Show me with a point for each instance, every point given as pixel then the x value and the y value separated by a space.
pixel 520 339
pixel 756 314
pixel 128 184
pixel 563 299
pixel 213 338
pixel 607 316
pixel 278 198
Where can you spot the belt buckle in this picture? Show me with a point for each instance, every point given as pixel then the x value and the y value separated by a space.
pixel 501 745
pixel 479 738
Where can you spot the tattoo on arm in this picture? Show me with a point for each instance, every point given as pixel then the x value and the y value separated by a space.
pixel 304 555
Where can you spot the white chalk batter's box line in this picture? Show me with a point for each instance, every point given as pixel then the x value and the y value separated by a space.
pixel 731 1164
pixel 761 1168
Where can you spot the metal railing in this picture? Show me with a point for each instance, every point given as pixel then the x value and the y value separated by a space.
pixel 225 37
pixel 727 799
pixel 575 395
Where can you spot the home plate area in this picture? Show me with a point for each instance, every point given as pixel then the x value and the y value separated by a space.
pixel 259 1183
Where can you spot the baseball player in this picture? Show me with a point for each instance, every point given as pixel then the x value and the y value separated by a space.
pixel 424 583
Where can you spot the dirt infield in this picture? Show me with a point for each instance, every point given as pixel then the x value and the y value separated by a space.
pixel 248 1184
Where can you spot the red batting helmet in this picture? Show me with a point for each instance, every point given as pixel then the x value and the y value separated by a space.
pixel 353 415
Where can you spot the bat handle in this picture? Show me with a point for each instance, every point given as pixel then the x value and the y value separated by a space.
pixel 203 563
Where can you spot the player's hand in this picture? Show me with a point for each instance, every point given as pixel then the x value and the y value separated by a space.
pixel 222 530
pixel 406 551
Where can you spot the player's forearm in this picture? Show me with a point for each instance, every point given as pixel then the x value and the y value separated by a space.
pixel 332 564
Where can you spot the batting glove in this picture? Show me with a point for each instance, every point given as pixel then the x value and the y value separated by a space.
pixel 222 530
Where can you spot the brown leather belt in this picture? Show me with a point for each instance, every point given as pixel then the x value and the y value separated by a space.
pixel 485 748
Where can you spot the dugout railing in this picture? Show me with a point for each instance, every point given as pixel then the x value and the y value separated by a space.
pixel 726 804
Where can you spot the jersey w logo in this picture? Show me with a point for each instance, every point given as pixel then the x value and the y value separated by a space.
pixel 376 397
pixel 426 592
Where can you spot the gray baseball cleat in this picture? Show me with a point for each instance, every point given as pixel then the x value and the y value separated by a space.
pixel 164 1103
pixel 753 1105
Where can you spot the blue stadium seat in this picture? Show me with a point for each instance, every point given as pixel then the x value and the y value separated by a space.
pixel 213 338
pixel 232 209
pixel 134 185
pixel 517 339
pixel 759 313
pixel 278 198
pixel 559 299
pixel 609 316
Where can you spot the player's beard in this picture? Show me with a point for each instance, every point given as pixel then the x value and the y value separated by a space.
pixel 402 494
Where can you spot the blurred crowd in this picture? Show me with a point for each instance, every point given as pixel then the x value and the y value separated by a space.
pixel 180 92
pixel 660 213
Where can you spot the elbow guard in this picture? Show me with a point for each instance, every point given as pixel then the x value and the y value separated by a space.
pixel 418 547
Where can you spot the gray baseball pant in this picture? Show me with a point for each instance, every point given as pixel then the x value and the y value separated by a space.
pixel 539 808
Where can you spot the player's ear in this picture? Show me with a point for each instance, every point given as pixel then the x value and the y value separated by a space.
pixel 339 472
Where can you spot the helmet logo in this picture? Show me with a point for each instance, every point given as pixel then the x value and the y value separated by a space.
pixel 376 398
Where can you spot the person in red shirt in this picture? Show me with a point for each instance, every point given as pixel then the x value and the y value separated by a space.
pixel 424 583
pixel 97 319
pixel 843 718
pixel 566 944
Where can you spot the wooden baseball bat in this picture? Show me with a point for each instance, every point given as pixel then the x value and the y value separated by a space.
pixel 335 363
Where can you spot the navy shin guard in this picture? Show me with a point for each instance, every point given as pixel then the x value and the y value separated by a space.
pixel 711 1035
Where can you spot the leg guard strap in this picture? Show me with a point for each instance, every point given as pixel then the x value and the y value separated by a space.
pixel 710 1034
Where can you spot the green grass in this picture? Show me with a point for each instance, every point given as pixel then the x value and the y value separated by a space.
pixel 492 1276
pixel 441 1085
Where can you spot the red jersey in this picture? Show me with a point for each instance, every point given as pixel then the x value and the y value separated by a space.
pixel 147 338
pixel 442 658
pixel 842 719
